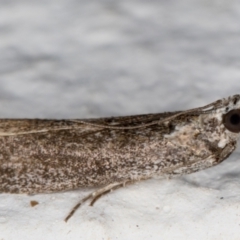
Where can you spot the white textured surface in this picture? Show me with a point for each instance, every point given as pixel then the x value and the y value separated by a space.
pixel 81 59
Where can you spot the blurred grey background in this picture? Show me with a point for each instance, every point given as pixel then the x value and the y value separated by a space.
pixel 81 59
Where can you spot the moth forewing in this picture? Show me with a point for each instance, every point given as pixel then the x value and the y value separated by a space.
pixel 39 156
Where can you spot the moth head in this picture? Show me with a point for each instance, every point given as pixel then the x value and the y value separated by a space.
pixel 231 117
pixel 231 120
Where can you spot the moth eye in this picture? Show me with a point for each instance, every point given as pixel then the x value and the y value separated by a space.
pixel 231 120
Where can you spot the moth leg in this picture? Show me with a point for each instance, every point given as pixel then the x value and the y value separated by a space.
pixel 99 196
pixel 96 195
pixel 108 191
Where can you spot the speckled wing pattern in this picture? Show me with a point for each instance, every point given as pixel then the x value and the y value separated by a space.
pixel 38 156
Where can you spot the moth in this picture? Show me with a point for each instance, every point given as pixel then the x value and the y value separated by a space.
pixel 44 156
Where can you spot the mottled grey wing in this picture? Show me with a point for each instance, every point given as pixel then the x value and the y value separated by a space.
pixel 55 155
